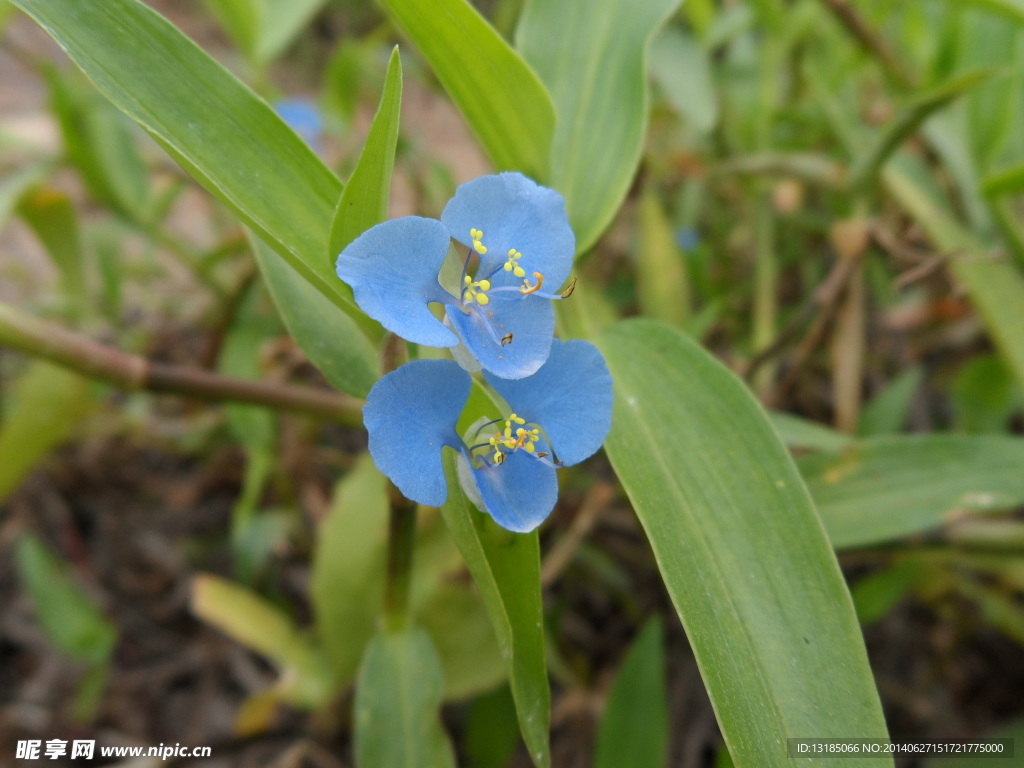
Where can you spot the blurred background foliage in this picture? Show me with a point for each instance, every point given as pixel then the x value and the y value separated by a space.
pixel 827 197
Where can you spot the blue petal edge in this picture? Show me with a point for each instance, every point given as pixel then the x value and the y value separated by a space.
pixel 519 494
pixel 532 324
pixel 393 270
pixel 410 415
pixel 570 397
pixel 514 212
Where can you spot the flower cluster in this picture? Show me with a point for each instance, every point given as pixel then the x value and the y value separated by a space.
pixel 557 395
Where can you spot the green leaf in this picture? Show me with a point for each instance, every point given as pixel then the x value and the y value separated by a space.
pixel 1006 181
pixel 263 29
pixel 247 618
pixel 51 215
pixel 742 552
pixel 888 410
pixel 875 595
pixel 347 584
pixel 364 202
pixel 592 56
pixel 332 340
pixel 1011 10
pixel 886 488
pixel 984 395
pixel 988 41
pixel 506 569
pixel 46 405
pixel 866 166
pixel 662 283
pixel 231 141
pixel 98 143
pixel 456 620
pixel 14 185
pixel 491 734
pixel 798 432
pixel 682 69
pixel 240 19
pixel 398 697
pixel 71 621
pixel 634 728
pixel 499 95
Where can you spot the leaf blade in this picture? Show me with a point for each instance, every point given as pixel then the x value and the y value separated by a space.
pixel 743 555
pixel 364 201
pixel 501 98
pixel 592 58
pixel 889 487
pixel 397 700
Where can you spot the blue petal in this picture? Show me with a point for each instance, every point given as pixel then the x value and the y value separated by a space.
pixel 530 320
pixel 514 212
pixel 570 397
pixel 393 269
pixel 410 415
pixel 520 493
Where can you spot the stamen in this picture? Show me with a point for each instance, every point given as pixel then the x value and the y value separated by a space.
pixel 477 236
pixel 517 434
pixel 568 291
pixel 476 290
pixel 512 266
pixel 527 289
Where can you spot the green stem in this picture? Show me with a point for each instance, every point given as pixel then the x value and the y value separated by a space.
pixel 401 538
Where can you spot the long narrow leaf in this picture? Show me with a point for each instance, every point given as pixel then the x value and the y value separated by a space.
pixel 497 92
pixel 592 57
pixel 742 552
pixel 634 729
pixel 230 140
pixel 365 199
pixel 890 487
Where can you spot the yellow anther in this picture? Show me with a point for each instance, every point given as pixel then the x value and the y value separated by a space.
pixel 506 442
pixel 477 236
pixel 512 266
pixel 527 289
pixel 475 291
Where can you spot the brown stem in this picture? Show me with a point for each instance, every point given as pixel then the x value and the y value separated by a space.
pixel 870 41
pixel 25 333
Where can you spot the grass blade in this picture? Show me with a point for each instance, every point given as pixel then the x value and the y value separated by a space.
pixel 592 56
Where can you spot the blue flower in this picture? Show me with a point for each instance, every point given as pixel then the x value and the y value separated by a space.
pixel 517 235
pixel 555 418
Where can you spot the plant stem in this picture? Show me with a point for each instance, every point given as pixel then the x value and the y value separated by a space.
pixel 401 538
pixel 39 338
